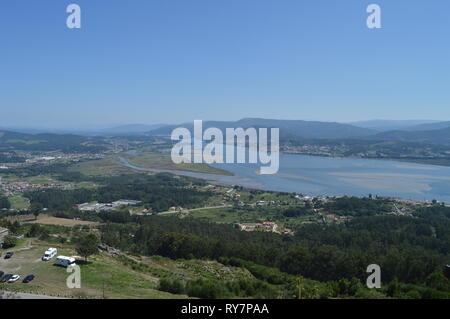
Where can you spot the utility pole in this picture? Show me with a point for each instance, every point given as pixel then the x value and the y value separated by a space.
pixel 299 287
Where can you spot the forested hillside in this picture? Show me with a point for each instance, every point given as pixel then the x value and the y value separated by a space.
pixel 410 251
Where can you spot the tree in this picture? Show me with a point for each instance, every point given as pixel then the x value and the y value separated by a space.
pixel 4 202
pixel 36 209
pixel 34 230
pixel 393 288
pixel 437 280
pixel 14 227
pixel 9 241
pixel 87 246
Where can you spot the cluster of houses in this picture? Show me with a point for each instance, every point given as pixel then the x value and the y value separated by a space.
pixel 62 156
pixel 12 188
pixel 4 166
pixel 308 149
pixel 262 203
pixel 232 194
pixel 411 202
pixel 101 207
pixel 319 198
pixel 304 198
pixel 334 218
pixel 264 226
pixel 35 159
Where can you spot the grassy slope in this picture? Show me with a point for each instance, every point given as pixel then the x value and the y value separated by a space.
pixel 125 277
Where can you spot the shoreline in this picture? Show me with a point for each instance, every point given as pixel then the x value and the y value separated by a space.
pixel 202 168
pixel 254 184
pixel 390 159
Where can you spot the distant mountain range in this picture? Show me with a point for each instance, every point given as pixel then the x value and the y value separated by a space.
pixel 438 136
pixel 429 126
pixel 49 142
pixel 393 125
pixel 288 128
pixel 129 129
pixel 419 131
pixel 428 132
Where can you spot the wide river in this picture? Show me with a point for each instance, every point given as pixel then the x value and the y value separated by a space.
pixel 338 176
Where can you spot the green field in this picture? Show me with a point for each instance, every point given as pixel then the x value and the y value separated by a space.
pixel 108 166
pixel 224 215
pixel 18 202
pixel 164 162
pixel 233 215
pixel 39 179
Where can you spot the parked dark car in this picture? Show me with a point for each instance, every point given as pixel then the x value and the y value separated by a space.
pixel 6 277
pixel 9 254
pixel 27 279
pixel 1 275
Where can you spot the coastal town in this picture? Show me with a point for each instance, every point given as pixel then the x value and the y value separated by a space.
pixel 10 160
pixel 368 150
pixel 14 188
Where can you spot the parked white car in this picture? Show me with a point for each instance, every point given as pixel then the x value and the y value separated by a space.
pixel 49 254
pixel 14 278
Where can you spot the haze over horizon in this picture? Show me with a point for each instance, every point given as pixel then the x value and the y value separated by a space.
pixel 158 62
pixel 82 127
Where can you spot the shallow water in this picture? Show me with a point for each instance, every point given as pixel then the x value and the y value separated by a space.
pixel 338 176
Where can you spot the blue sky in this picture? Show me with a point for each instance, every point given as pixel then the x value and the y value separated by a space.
pixel 170 61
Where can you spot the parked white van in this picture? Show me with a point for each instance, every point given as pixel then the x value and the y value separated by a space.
pixel 65 261
pixel 49 254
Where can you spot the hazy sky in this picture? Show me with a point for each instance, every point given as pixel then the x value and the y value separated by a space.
pixel 169 61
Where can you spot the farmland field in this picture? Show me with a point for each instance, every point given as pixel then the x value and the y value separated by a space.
pixel 44 219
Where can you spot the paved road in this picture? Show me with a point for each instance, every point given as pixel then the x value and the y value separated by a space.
pixel 21 295
pixel 194 209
